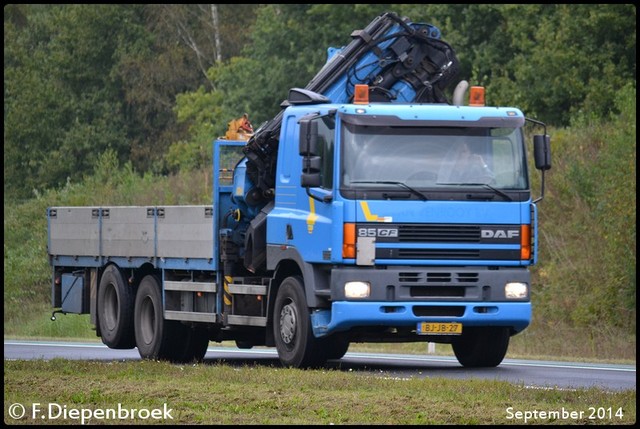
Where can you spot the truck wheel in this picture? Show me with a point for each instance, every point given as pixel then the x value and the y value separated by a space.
pixel 198 345
pixel 335 346
pixel 115 310
pixel 241 344
pixel 157 338
pixel 481 347
pixel 191 344
pixel 154 334
pixel 295 342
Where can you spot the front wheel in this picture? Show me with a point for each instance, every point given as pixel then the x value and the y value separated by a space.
pixel 481 346
pixel 336 345
pixel 295 342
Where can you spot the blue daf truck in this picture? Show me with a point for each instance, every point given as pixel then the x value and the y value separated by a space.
pixel 370 209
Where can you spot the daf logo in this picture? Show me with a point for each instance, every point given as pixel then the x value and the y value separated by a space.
pixel 500 233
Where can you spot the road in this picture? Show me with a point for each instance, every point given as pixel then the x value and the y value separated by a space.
pixel 529 373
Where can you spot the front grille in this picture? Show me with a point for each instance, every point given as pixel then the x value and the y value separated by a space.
pixel 438 233
pixel 451 254
pixel 438 284
pixel 422 277
pixel 438 253
pixel 455 242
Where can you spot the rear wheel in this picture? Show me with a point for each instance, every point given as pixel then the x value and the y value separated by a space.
pixel 115 309
pixel 152 333
pixel 241 344
pixel 191 344
pixel 295 342
pixel 481 347
pixel 157 338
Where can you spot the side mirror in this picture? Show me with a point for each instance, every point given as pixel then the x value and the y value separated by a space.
pixel 308 145
pixel 542 151
pixel 308 148
pixel 310 177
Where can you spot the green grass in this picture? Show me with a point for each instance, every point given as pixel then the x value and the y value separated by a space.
pixel 258 395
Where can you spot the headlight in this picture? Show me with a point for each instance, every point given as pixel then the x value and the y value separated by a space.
pixel 516 290
pixel 357 289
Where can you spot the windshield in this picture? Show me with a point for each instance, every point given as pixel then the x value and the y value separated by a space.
pixel 432 158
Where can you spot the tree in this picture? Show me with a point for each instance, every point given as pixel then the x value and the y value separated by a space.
pixel 60 99
pixel 552 61
pixel 288 45
pixel 81 79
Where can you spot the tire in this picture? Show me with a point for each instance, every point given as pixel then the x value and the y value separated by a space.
pixel 190 344
pixel 335 346
pixel 160 339
pixel 115 310
pixel 297 346
pixel 153 334
pixel 198 345
pixel 481 347
pixel 242 344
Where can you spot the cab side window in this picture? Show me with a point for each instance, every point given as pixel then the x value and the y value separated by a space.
pixel 326 140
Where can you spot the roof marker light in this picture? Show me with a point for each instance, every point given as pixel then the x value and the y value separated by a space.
pixel 361 94
pixel 476 96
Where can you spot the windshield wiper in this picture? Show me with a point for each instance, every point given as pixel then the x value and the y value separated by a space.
pixel 486 186
pixel 422 196
pixel 498 191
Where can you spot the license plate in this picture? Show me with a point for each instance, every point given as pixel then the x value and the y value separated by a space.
pixel 425 328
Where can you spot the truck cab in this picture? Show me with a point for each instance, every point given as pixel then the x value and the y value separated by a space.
pixel 399 222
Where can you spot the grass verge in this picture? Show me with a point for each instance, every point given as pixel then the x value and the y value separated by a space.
pixel 254 395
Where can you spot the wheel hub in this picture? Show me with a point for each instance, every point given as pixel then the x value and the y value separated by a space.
pixel 288 324
pixel 147 325
pixel 110 313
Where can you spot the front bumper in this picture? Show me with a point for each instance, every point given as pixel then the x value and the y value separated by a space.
pixel 345 315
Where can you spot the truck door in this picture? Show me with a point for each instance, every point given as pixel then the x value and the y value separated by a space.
pixel 303 216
